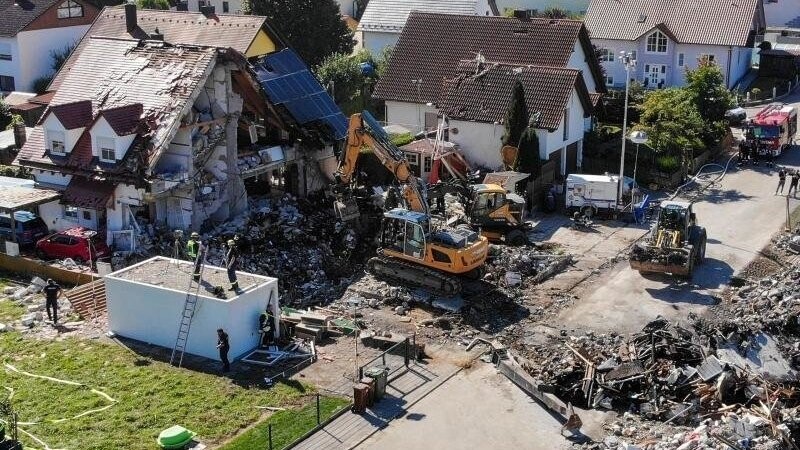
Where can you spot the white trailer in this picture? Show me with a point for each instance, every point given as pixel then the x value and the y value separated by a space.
pixel 591 194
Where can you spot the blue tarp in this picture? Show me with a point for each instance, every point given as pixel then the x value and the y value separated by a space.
pixel 287 81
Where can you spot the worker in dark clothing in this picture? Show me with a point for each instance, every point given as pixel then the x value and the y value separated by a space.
pixel 52 292
pixel 196 253
pixel 781 181
pixel 232 264
pixel 793 184
pixel 223 345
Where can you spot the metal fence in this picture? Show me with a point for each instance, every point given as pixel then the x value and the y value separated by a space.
pixel 396 357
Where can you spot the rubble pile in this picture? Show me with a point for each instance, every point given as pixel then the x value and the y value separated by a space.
pixel 731 385
pixel 513 266
pixel 297 241
pixel 31 299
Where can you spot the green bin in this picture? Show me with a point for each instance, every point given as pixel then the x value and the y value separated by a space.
pixel 381 376
pixel 175 437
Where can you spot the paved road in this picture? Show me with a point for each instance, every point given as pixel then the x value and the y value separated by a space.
pixel 478 408
pixel 740 215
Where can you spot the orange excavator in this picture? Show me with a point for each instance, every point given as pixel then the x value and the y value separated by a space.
pixel 410 251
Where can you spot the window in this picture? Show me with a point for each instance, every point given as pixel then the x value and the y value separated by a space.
pixel 606 55
pixel 6 83
pixel 225 7
pixel 609 81
pixel 71 212
pixel 680 59
pixel 706 58
pixel 70 9
pixel 106 149
pixel 427 163
pixel 566 124
pixel 657 43
pixel 5 52
pixel 87 215
pixel 633 55
pixel 55 142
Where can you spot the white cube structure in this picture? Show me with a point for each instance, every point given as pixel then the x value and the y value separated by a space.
pixel 146 302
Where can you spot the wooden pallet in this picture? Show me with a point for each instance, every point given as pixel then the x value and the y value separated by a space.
pixel 89 299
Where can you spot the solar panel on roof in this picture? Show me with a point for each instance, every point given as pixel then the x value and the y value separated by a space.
pixel 287 81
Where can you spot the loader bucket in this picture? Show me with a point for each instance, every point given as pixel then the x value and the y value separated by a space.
pixel 346 210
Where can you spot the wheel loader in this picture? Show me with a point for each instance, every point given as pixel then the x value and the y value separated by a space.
pixel 676 243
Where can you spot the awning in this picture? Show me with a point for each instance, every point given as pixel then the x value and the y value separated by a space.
pixel 18 197
pixel 86 193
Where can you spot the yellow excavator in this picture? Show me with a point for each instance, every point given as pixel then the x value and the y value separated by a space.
pixel 410 252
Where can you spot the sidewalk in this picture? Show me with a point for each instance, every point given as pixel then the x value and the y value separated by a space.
pixel 349 430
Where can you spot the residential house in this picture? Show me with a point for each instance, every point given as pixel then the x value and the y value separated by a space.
pixel 153 132
pixel 210 6
pixel 249 35
pixel 666 37
pixel 429 74
pixel 30 30
pixel 576 7
pixel 383 20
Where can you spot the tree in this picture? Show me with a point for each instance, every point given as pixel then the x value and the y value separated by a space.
pixel 348 78
pixel 528 160
pixel 313 28
pixel 706 88
pixel 516 117
pixel 5 114
pixel 152 4
pixel 59 56
pixel 673 124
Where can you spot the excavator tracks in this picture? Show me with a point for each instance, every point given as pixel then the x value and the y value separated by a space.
pixel 414 275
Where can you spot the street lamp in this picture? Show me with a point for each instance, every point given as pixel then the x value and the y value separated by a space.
pixel 637 137
pixel 629 62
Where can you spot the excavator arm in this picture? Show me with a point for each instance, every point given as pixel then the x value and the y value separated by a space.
pixel 365 131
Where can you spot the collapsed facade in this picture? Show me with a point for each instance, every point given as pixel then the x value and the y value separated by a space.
pixel 145 132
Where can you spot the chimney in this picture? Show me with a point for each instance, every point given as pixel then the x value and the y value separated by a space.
pixel 130 17
pixel 19 135
pixel 207 9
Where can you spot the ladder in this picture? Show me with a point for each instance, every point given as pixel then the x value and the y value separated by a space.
pixel 189 306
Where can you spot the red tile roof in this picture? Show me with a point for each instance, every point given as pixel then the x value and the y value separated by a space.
pixel 431 46
pixel 125 79
pixel 17 14
pixel 707 22
pixel 483 92
pixel 72 115
pixel 124 119
pixel 86 193
pixel 178 27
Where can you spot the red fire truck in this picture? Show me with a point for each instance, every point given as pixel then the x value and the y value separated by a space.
pixel 774 127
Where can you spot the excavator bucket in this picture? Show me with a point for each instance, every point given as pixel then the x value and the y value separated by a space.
pixel 346 209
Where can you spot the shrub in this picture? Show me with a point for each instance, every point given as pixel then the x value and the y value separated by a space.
pixel 401 139
pixel 40 84
pixel 667 163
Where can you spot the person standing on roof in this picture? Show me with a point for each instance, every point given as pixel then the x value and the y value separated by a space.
pixel 232 264
pixel 195 252
pixel 52 291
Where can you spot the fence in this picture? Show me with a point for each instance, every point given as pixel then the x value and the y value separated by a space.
pixel 319 424
pixel 395 357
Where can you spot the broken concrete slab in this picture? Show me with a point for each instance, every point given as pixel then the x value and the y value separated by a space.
pixel 762 356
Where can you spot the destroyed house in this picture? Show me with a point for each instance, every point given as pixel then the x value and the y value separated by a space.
pixel 148 132
pixel 464 67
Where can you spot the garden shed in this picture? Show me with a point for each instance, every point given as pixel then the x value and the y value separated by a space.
pixel 146 303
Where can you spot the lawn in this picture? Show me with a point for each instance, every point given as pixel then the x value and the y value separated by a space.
pixel 149 396
pixel 287 426
pixel 10 311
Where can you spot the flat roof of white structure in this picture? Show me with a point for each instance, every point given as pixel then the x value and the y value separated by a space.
pixel 175 274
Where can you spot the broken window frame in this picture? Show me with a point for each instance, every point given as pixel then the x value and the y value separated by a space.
pixel 70 10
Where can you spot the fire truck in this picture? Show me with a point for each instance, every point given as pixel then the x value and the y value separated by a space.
pixel 774 127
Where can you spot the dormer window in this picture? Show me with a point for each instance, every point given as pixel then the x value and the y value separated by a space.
pixel 55 143
pixel 106 149
pixel 70 10
pixel 657 43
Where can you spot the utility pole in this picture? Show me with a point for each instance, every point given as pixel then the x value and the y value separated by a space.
pixel 629 62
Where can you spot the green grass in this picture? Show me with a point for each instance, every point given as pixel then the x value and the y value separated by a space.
pixel 287 426
pixel 150 396
pixel 10 311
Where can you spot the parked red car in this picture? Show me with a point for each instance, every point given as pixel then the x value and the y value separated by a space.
pixel 73 243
